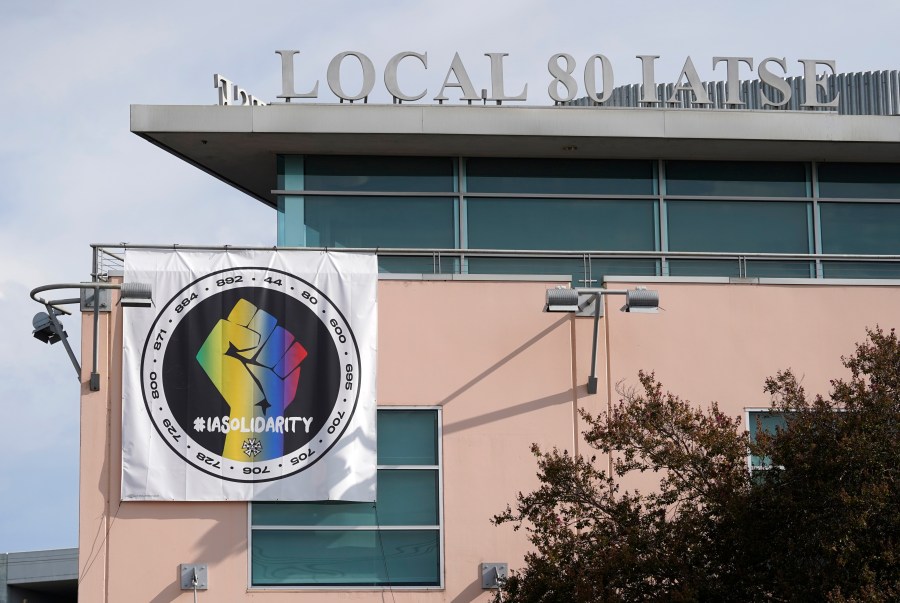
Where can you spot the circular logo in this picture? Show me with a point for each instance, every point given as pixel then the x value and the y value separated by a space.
pixel 250 374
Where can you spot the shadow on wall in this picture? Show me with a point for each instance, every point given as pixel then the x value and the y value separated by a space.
pixel 222 540
pixel 510 411
pixel 472 592
pixel 522 408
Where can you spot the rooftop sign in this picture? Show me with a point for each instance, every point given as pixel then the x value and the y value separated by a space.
pixel 567 78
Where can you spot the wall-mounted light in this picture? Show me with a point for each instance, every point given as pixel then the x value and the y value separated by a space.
pixel 135 295
pixel 641 300
pixel 586 302
pixel 561 300
pixel 44 328
pixel 48 329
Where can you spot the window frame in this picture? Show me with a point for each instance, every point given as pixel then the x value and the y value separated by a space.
pixel 482 203
pixel 738 165
pixel 748 411
pixel 709 204
pixel 373 588
pixel 292 192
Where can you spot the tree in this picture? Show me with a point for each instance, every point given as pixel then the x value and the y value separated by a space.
pixel 831 505
pixel 821 523
pixel 596 543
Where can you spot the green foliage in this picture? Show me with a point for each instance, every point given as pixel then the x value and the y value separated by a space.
pixel 822 523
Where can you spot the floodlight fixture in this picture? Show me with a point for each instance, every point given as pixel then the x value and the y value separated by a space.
pixel 48 329
pixel 641 300
pixel 135 295
pixel 578 301
pixel 44 330
pixel 561 299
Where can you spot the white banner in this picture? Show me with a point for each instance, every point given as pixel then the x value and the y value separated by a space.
pixel 252 377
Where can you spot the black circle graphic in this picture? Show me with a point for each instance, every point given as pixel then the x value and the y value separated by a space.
pixel 185 405
pixel 191 394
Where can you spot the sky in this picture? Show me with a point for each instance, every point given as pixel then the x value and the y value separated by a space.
pixel 72 174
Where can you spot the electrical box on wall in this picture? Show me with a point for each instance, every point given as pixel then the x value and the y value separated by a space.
pixel 493 573
pixel 194 576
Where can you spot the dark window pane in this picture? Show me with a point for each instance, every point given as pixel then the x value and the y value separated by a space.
pixel 861 269
pixel 290 172
pixel 564 224
pixel 780 269
pixel 601 268
pixel 405 497
pixel 343 558
pixel 739 226
pixel 557 266
pixel 704 268
pixel 407 222
pixel 736 179
pixel 544 266
pixel 559 176
pixel 407 437
pixel 291 230
pixel 417 265
pixel 859 180
pixel 872 228
pixel 332 513
pixel 378 174
pixel 754 268
pixel 768 422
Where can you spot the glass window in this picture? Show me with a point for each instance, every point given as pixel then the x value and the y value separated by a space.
pixel 393 542
pixel 402 222
pixel 407 437
pixel 835 269
pixel 871 228
pixel 378 174
pixel 753 268
pixel 313 514
pixel 564 224
pixel 417 264
pixel 736 179
pixel 582 275
pixel 780 269
pixel 739 226
pixel 291 231
pixel 346 558
pixel 559 176
pixel 404 498
pixel 859 180
pixel 290 172
pixel 544 266
pixel 768 422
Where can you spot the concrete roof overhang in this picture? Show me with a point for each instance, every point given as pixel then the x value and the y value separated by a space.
pixel 239 145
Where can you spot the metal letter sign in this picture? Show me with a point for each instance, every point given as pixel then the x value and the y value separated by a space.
pixel 252 378
pixel 688 81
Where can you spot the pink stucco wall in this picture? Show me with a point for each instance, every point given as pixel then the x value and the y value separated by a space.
pixel 505 375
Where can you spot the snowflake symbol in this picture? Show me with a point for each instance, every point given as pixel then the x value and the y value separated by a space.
pixel 199 424
pixel 251 447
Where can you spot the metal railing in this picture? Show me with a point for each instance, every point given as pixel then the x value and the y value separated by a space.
pixel 590 266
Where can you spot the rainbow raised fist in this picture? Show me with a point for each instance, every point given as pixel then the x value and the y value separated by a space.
pixel 255 365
